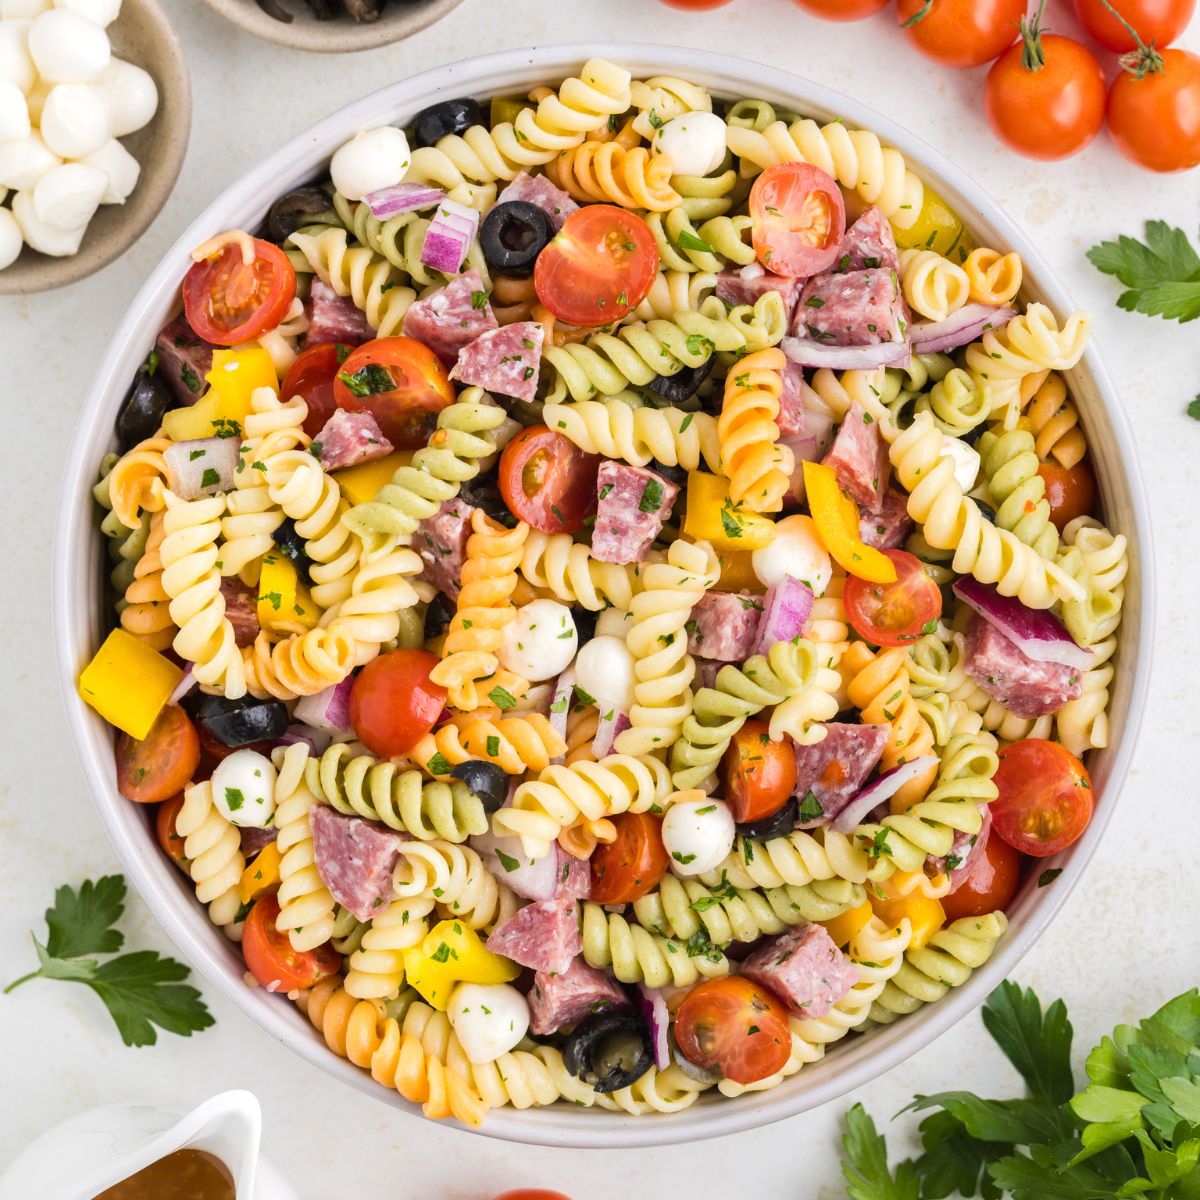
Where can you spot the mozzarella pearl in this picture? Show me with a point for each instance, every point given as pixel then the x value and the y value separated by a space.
pixel 489 1019
pixel 47 239
pixel 132 96
pixel 796 550
pixel 68 48
pixel 966 461
pixel 76 119
pixel 370 160
pixel 24 161
pixel 120 168
pixel 14 112
pixel 99 12
pixel 15 63
pixel 68 196
pixel 10 238
pixel 604 669
pixel 22 10
pixel 695 142
pixel 243 789
pixel 540 641
pixel 698 834
pixel 613 622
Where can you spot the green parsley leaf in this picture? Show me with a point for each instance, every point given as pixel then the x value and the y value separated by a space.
pixel 811 808
pixel 438 765
pixel 730 521
pixel 368 380
pixel 210 478
pixel 689 241
pixel 584 697
pixel 1193 409
pixel 1162 274
pixel 507 861
pixel 652 497
pixel 501 698
pixel 865 1163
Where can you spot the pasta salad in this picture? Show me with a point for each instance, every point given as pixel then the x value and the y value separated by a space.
pixel 610 595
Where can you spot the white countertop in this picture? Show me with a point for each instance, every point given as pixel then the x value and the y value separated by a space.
pixel 1125 941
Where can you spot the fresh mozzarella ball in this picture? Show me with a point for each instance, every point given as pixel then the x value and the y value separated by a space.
pixel 966 461
pixel 604 669
pixel 10 238
pixel 99 12
pixel 243 789
pixel 76 119
pixel 68 48
pixel 698 834
pixel 132 96
pixel 695 142
pixel 24 161
pixel 613 622
pixel 370 160
pixel 540 641
pixel 47 239
pixel 120 168
pixel 488 1018
pixel 68 196
pixel 22 10
pixel 797 550
pixel 14 112
pixel 15 63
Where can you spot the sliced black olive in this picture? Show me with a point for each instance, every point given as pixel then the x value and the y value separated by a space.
pixel 486 780
pixel 275 11
pixel 849 716
pixel 989 513
pixel 291 545
pixel 148 400
pixel 487 497
pixel 677 475
pixel 683 385
pixel 432 124
pixel 513 234
pixel 585 623
pixel 296 209
pixel 610 1051
pixel 238 722
pixel 438 615
pixel 776 825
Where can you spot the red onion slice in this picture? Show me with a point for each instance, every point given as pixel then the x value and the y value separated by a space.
pixel 317 740
pixel 786 607
pixel 612 723
pixel 884 787
pixel 186 684
pixel 402 198
pixel 449 237
pixel 1038 633
pixel 959 328
pixel 658 1019
pixel 560 704
pixel 532 879
pixel 329 710
pixel 810 353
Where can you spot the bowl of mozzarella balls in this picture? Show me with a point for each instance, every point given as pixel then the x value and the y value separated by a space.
pixel 95 108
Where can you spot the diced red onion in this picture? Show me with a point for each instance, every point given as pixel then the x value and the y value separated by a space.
pixel 1038 633
pixel 449 237
pixel 882 788
pixel 402 198
pixel 612 723
pixel 533 879
pixel 329 709
pixel 810 353
pixel 658 1020
pixel 186 684
pixel 317 740
pixel 968 850
pixel 202 466
pixel 786 607
pixel 959 328
pixel 560 705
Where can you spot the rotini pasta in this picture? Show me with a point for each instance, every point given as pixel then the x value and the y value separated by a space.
pixel 994 278
pixel 1051 416
pixel 213 848
pixel 565 569
pixel 514 744
pixel 609 173
pixel 146 612
pixel 934 286
pixel 759 469
pixel 635 955
pixel 456 878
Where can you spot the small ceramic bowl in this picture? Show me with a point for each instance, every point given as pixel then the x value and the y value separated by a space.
pixel 399 19
pixel 142 35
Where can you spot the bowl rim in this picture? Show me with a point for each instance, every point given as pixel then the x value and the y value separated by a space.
pixel 170 897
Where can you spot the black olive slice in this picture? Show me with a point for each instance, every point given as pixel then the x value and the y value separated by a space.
pixel 610 1051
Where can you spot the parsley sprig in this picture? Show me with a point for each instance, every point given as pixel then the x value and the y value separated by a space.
pixel 1161 274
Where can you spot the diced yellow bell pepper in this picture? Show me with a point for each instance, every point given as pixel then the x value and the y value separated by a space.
pixel 506 108
pixel 925 915
pixel 836 518
pixel 842 929
pixel 452 953
pixel 937 227
pixel 737 572
pixel 261 875
pixel 222 410
pixel 359 484
pixel 128 683
pixel 284 602
pixel 712 517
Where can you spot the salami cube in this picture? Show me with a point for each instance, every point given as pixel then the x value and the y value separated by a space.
pixel 831 772
pixel 707 670
pixel 803 968
pixel 1023 685
pixel 560 1000
pixel 350 438
pixel 574 877
pixel 860 457
pixel 543 936
pixel 241 608
pixel 441 541
pixel 724 625
pixel 504 361
pixel 631 507
pixel 541 193
pixel 750 284
pixel 334 318
pixel 354 859
pixel 965 851
pixel 184 359
pixel 452 317
pixel 852 308
pixel 887 526
pixel 792 414
pixel 869 243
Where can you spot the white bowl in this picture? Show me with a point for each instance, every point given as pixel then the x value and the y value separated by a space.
pixel 79 565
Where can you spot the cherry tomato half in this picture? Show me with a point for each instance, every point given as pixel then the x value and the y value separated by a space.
pixel 961 33
pixel 162 763
pixel 736 1026
pixel 759 775
pixel 894 614
pixel 547 481
pixel 599 266
pixel 799 219
pixel 1045 800
pixel 393 703
pixel 632 866
pixel 1155 120
pixel 1157 21
pixel 311 378
pixel 270 957
pixel 164 830
pixel 227 301
pixel 841 10
pixel 989 884
pixel 401 383
pixel 1071 491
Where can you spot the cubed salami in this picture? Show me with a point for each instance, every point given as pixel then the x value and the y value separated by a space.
pixel 543 936
pixel 184 359
pixel 965 851
pixel 852 308
pixel 749 284
pixel 452 317
pixel 724 625
pixel 354 859
pixel 707 670
pixel 560 1000
pixel 504 361
pixel 632 504
pixel 869 243
pixel 241 608
pixel 441 541
pixel 541 193
pixel 792 413
pixel 803 968
pixel 887 526
pixel 1023 685
pixel 860 457
pixel 574 877
pixel 835 768
pixel 349 438
pixel 334 318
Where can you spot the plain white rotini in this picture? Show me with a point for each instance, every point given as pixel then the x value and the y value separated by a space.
pixel 456 878
pixel 797 858
pixel 934 286
pixel 567 569
pixel 215 862
pixel 375 970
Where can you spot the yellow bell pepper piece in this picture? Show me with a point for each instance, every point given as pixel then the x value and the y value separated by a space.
pixel 359 484
pixel 128 683
pixel 842 929
pixel 737 572
pixel 222 410
pixel 452 953
pixel 836 518
pixel 284 603
pixel 261 875
pixel 937 227
pixel 924 914
pixel 712 517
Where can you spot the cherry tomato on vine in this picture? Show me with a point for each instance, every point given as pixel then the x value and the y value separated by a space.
pixel 894 614
pixel 1157 21
pixel 269 955
pixel 1155 119
pixel 961 33
pixel 990 882
pixel 547 481
pixel 311 378
pixel 841 10
pixel 228 301
pixel 759 775
pixel 164 830
pixel 393 702
pixel 632 866
pixel 537 1193
pixel 696 4
pixel 162 763
pixel 1071 491
pixel 798 217
pixel 1045 800
pixel 735 1025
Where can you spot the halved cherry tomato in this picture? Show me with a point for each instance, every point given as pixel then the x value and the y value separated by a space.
pixel 841 10
pixel 799 219
pixel 599 266
pixel 1045 800
pixel 270 957
pixel 759 774
pixel 311 378
pixel 894 614
pixel 162 763
pixel 632 866
pixel 736 1026
pixel 164 831
pixel 393 703
pixel 401 383
pixel 227 301
pixel 1157 21
pixel 989 884
pixel 547 481
pixel 1071 491
pixel 1154 119
pixel 961 33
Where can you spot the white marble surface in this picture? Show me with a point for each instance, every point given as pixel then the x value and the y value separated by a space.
pixel 1124 942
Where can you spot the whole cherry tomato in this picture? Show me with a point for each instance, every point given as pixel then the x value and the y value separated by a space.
pixel 961 33
pixel 1157 21
pixel 990 882
pixel 841 10
pixel 1154 118
pixel 1045 800
pixel 736 1026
